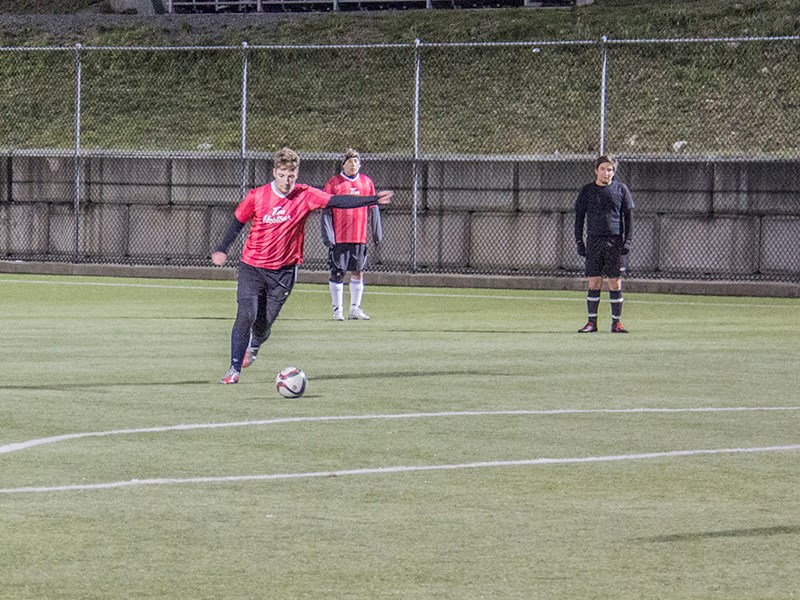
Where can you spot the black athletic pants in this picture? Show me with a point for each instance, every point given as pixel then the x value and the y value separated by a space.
pixel 260 295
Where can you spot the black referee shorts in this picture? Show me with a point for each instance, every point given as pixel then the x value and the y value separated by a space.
pixel 603 257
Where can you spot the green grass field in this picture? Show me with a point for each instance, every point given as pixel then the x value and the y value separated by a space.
pixel 462 444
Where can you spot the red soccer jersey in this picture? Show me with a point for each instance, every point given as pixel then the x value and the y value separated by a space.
pixel 350 225
pixel 278 230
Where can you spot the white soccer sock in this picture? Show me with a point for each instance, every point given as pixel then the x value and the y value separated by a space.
pixel 356 291
pixel 337 293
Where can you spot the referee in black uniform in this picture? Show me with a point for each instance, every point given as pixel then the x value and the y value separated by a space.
pixel 605 207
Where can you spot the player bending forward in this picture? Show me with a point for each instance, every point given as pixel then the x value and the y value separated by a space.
pixel 344 232
pixel 273 250
pixel 606 208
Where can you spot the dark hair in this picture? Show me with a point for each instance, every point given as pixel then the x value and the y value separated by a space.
pixel 606 158
pixel 350 153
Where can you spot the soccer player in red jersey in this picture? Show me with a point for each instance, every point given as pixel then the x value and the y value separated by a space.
pixel 344 232
pixel 274 248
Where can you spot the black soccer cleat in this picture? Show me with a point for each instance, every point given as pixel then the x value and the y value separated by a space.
pixel 590 327
pixel 618 328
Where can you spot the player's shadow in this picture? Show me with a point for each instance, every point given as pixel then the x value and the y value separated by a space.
pixel 183 318
pixel 60 387
pixel 359 324
pixel 433 332
pixel 725 533
pixel 315 321
pixel 407 374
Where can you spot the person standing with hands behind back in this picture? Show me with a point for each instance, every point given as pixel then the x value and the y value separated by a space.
pixel 274 248
pixel 344 232
pixel 606 208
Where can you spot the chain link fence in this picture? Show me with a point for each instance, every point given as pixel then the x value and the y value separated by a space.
pixel 138 155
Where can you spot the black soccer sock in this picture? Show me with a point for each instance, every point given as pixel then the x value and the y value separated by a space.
pixel 592 302
pixel 616 299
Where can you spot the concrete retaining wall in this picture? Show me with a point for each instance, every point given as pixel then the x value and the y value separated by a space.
pixel 704 218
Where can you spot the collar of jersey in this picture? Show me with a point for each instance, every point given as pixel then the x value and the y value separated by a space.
pixel 278 193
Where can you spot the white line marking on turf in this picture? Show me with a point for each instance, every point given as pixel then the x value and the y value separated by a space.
pixel 577 298
pixel 16 447
pixel 396 469
pixel 162 286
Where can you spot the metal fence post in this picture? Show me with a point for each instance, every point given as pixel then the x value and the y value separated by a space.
pixel 604 74
pixel 245 63
pixel 415 191
pixel 77 155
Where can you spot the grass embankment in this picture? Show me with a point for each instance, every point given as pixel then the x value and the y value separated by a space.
pixel 722 98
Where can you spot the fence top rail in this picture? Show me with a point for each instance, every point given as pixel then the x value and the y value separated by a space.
pixel 499 44
pixel 385 156
pixel 242 46
pixel 415 44
pixel 779 38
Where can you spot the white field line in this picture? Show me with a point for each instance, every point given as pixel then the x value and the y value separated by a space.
pixel 396 469
pixel 18 446
pixel 579 297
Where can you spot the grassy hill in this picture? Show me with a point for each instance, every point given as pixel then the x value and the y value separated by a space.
pixel 719 98
pixel 614 18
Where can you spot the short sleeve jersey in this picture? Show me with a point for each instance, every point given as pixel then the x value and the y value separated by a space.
pixel 350 225
pixel 278 224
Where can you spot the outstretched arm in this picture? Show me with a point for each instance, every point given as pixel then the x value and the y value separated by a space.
pixel 347 201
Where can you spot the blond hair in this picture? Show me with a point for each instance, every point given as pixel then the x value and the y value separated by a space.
pixel 286 158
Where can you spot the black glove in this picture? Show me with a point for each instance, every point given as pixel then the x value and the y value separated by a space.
pixel 626 248
pixel 581 248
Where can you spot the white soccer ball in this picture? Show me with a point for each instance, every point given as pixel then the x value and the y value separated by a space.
pixel 291 382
